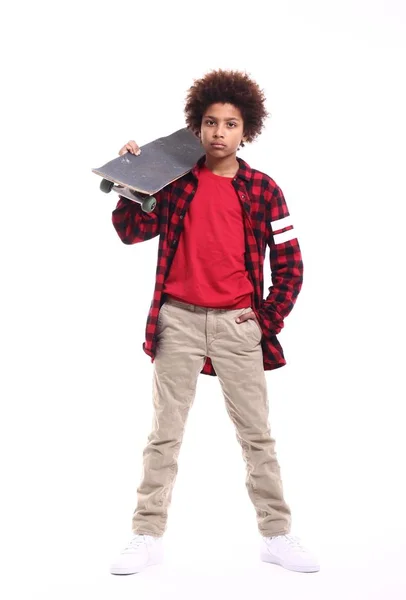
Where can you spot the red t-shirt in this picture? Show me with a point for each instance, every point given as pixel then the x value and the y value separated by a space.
pixel 208 268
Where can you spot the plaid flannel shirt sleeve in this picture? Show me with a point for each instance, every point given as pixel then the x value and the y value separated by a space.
pixel 286 265
pixel 132 224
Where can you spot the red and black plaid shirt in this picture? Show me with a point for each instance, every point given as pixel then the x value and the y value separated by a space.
pixel 266 222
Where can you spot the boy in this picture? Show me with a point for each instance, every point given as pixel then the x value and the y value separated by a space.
pixel 208 314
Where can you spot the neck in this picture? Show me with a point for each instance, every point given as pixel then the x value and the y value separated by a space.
pixel 227 166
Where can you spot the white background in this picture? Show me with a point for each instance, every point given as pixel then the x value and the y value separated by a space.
pixel 79 80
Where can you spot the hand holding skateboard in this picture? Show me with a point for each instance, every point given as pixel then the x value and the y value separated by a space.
pixel 132 147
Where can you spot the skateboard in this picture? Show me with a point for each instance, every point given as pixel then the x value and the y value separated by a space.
pixel 160 163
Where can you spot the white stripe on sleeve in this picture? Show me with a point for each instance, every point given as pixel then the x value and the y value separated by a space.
pixel 286 236
pixel 281 223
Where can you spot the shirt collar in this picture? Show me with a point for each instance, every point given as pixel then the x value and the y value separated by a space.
pixel 244 171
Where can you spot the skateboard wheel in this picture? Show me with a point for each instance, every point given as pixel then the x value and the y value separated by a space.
pixel 149 204
pixel 106 185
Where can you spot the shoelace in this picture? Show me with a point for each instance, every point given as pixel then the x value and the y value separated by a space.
pixel 293 541
pixel 135 543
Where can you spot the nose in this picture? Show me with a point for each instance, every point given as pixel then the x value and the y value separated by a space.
pixel 219 132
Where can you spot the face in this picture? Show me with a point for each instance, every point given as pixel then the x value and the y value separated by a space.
pixel 222 124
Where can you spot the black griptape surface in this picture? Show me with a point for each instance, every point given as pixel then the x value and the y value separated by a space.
pixel 159 163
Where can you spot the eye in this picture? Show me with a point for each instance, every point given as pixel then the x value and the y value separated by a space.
pixel 235 124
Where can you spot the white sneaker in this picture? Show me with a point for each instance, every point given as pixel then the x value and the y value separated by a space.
pixel 287 551
pixel 142 551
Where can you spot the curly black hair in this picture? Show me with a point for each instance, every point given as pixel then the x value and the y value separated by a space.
pixel 227 86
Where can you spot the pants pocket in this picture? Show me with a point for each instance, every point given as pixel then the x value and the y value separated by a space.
pixel 161 312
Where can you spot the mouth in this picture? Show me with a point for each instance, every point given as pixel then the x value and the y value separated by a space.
pixel 217 145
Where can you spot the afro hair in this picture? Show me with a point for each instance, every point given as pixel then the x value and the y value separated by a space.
pixel 232 87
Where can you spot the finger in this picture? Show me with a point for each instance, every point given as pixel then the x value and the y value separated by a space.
pixel 135 149
pixel 245 317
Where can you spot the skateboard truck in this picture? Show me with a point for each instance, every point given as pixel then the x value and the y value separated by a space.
pixel 148 203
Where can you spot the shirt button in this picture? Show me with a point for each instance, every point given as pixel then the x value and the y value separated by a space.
pixel 181 216
pixel 242 196
pixel 174 242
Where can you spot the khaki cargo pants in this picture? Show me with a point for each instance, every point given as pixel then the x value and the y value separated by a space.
pixel 186 334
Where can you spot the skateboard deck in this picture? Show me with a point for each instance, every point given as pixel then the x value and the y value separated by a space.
pixel 162 161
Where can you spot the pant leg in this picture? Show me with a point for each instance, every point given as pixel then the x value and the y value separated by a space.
pixel 179 359
pixel 236 354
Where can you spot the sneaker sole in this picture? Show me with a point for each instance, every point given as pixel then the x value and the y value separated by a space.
pixel 300 568
pixel 129 571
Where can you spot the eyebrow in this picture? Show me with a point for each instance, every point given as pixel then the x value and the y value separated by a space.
pixel 229 119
